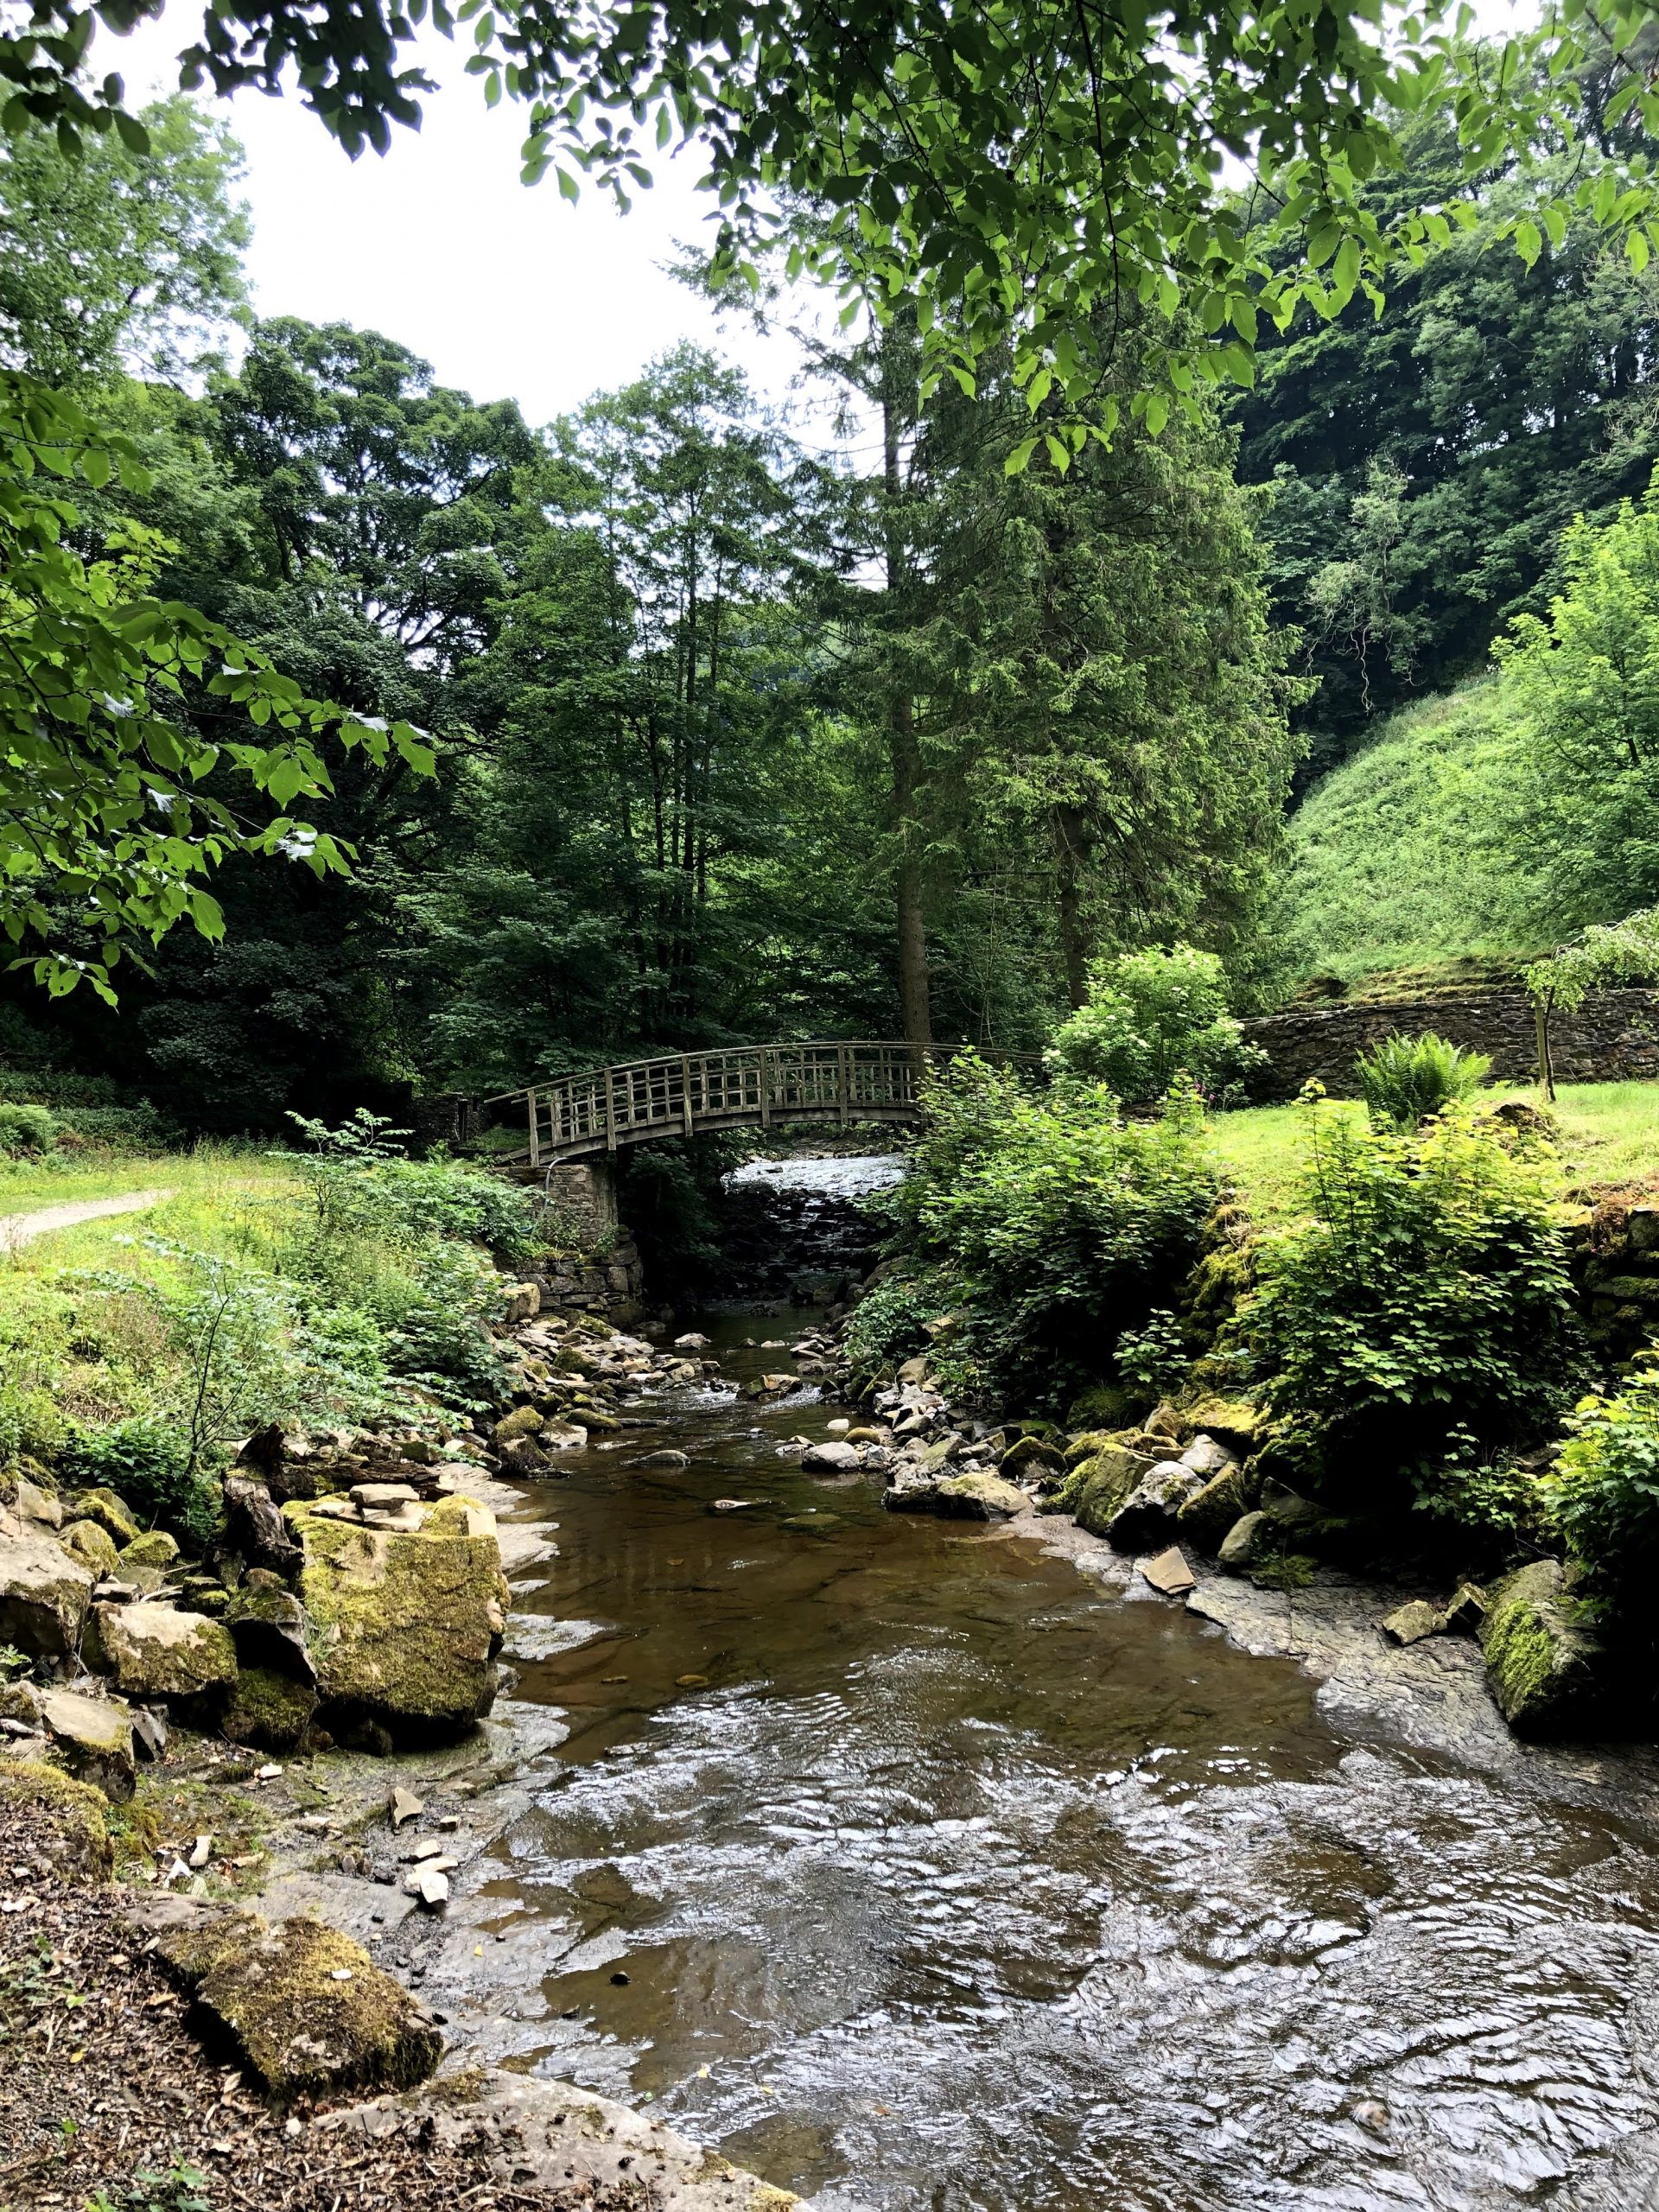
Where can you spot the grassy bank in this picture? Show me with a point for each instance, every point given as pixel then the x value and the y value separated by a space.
pixel 343 1285
pixel 1610 1132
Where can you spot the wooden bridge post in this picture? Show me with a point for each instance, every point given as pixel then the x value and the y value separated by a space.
pixel 535 1134
pixel 765 1087
pixel 685 1093
pixel 610 1111
pixel 843 1083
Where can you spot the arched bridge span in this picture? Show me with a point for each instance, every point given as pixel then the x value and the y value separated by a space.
pixel 741 1087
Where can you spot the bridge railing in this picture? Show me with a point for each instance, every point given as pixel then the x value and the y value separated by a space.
pixel 737 1087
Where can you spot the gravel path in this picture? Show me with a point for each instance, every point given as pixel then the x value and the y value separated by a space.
pixel 18 1229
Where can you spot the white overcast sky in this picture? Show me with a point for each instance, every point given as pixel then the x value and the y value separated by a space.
pixel 510 291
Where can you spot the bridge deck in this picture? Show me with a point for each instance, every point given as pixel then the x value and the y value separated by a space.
pixel 747 1086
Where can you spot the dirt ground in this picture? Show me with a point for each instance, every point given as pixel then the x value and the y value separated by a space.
pixel 107 2102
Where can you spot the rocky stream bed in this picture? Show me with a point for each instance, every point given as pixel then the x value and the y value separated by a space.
pixel 889 1858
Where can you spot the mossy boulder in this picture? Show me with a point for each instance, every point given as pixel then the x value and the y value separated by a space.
pixel 269 1710
pixel 1034 1456
pixel 1542 1663
pixel 91 1738
pixel 1146 1518
pixel 301 2006
pixel 524 1422
pixel 61 1819
pixel 92 1545
pixel 981 1495
pixel 158 1651
pixel 111 1512
pixel 1109 1406
pixel 44 1595
pixel 269 1628
pixel 155 1548
pixel 1235 1422
pixel 1101 1484
pixel 1206 1517
pixel 407 1623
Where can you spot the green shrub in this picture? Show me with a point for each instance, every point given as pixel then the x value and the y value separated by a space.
pixel 27 1128
pixel 1603 1492
pixel 1405 1079
pixel 1154 1016
pixel 890 1324
pixel 1154 1356
pixel 1420 1321
pixel 361 1185
pixel 1056 1224
pixel 146 1461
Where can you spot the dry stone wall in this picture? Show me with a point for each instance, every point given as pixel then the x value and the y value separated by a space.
pixel 1612 1037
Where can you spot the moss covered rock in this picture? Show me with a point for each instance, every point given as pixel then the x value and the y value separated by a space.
pixel 517 1426
pixel 91 1545
pixel 981 1495
pixel 1101 1484
pixel 269 1628
pixel 407 1623
pixel 1031 1455
pixel 1541 1662
pixel 1207 1515
pixel 158 1651
pixel 91 1738
pixel 303 2006
pixel 1235 1422
pixel 1109 1406
pixel 111 1512
pixel 44 1595
pixel 153 1549
pixel 269 1710
pixel 61 1819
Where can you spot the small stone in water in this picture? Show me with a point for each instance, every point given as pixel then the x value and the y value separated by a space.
pixel 405 1806
pixel 1370 2114
pixel 691 1681
pixel 837 1427
pixel 619 1980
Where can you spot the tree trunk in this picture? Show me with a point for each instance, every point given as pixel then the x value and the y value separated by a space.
pixel 1067 823
pixel 1546 1060
pixel 914 1004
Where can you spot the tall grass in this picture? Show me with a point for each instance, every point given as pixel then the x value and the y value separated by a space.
pixel 1398 857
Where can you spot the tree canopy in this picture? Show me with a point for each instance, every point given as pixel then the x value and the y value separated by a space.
pixel 1013 170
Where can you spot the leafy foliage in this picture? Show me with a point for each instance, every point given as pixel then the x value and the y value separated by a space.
pixel 146 1460
pixel 1153 1017
pixel 1404 1080
pixel 889 1324
pixel 104 832
pixel 1045 159
pixel 1423 464
pixel 27 1128
pixel 1584 680
pixel 1419 1321
pixel 120 260
pixel 1604 954
pixel 1057 1223
pixel 1603 1492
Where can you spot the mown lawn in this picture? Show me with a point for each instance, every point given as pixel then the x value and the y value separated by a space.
pixel 1610 1131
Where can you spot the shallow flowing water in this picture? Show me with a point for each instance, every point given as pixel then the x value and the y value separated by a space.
pixel 916 1870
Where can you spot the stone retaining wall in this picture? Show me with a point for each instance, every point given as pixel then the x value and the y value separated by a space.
pixel 1613 1037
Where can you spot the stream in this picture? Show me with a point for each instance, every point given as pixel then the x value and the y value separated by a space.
pixel 915 1869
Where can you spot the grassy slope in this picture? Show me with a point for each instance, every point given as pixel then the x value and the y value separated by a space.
pixel 1611 1131
pixel 27 1185
pixel 1390 865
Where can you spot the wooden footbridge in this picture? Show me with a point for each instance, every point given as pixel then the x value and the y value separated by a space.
pixel 745 1087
